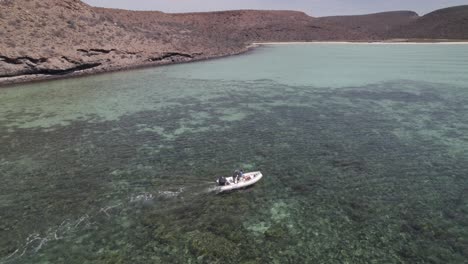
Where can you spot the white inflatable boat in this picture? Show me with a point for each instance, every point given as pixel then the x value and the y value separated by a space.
pixel 249 178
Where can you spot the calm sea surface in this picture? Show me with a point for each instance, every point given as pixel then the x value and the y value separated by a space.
pixel 364 151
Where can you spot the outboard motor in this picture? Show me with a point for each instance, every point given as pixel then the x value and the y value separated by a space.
pixel 222 181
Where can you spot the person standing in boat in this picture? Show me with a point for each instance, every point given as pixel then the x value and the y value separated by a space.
pixel 237 176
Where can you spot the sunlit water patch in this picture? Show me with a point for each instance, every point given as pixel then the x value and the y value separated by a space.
pixel 120 168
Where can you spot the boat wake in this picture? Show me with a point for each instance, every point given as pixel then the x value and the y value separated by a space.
pixel 213 189
pixel 68 228
pixel 36 241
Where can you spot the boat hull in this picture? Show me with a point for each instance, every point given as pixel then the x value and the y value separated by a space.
pixel 248 179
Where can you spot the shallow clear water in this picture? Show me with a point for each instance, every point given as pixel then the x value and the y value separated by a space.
pixel 364 149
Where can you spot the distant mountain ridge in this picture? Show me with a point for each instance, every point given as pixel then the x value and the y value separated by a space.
pixel 376 25
pixel 49 38
pixel 447 23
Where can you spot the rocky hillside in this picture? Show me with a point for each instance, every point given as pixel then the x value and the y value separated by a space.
pixel 49 38
pixel 230 28
pixel 448 23
pixel 374 25
pixel 46 38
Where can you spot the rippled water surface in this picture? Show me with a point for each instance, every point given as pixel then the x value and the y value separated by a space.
pixel 364 151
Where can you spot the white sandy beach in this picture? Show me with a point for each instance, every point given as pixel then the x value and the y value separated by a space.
pixel 365 43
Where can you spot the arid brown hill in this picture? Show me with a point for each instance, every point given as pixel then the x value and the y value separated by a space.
pixel 447 23
pixel 41 38
pixel 373 25
pixel 46 38
pixel 230 28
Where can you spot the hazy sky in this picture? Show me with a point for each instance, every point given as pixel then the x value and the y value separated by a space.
pixel 312 7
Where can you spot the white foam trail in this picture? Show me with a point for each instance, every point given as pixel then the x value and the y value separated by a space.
pixel 105 209
pixel 213 189
pixel 35 241
pixel 141 197
pixel 146 196
pixel 171 194
pixel 11 255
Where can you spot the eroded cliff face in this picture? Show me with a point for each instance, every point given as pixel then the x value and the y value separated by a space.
pixel 58 37
pixel 45 38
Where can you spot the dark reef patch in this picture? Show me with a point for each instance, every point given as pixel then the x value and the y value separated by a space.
pixel 345 180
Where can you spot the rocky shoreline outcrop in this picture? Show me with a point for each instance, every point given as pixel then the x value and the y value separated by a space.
pixel 44 39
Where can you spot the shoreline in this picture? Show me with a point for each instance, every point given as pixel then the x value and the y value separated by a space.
pixel 10 82
pixel 396 42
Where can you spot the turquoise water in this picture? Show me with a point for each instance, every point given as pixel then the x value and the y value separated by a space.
pixel 364 149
